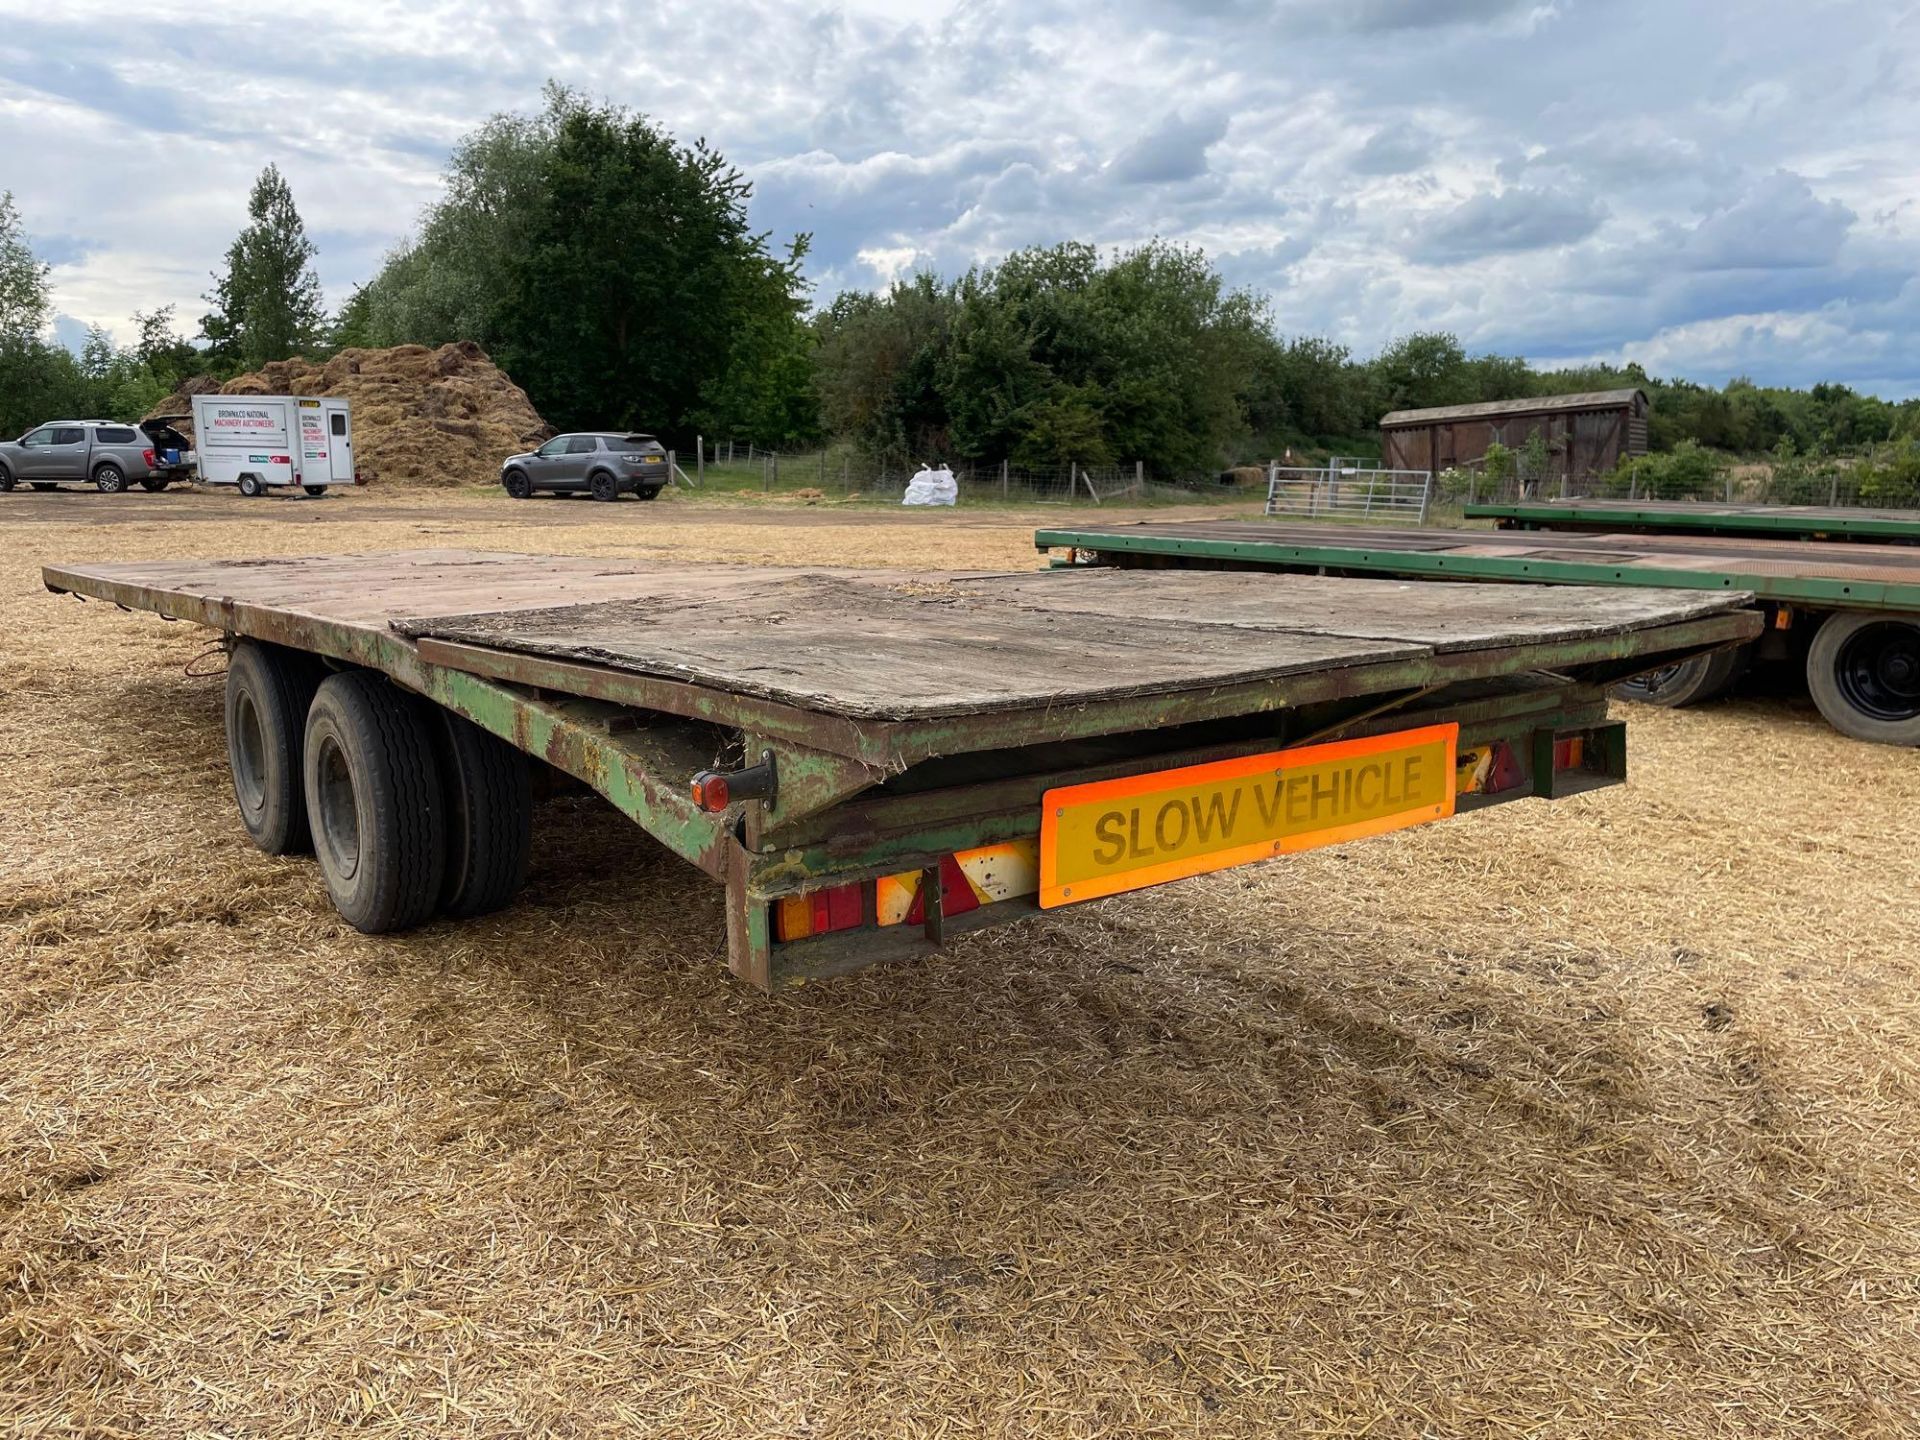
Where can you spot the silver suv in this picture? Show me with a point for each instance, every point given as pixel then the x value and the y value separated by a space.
pixel 102 453
pixel 607 463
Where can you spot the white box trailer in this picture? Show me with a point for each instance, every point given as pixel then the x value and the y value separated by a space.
pixel 256 441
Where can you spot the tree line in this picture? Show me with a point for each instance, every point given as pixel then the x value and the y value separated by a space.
pixel 613 271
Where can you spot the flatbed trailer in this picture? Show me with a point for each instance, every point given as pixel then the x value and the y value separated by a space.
pixel 871 762
pixel 1832 523
pixel 1848 615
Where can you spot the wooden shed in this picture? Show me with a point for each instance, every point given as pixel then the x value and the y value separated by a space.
pixel 1586 434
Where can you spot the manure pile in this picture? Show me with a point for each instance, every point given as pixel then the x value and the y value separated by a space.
pixel 420 417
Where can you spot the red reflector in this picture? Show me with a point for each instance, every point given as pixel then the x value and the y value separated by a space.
pixel 710 793
pixel 1568 754
pixel 956 894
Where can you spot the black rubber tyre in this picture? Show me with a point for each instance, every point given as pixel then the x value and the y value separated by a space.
pixel 316 491
pixel 517 485
pixel 374 800
pixel 604 486
pixel 6 480
pixel 1864 672
pixel 649 492
pixel 489 809
pixel 152 486
pixel 251 486
pixel 44 485
pixel 109 479
pixel 1704 677
pixel 268 691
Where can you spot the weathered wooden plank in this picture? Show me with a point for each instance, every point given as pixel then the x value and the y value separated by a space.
pixel 904 650
pixel 1445 617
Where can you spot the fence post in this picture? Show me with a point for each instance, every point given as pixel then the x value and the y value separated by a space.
pixel 1139 477
pixel 1729 485
pixel 1833 488
pixel 1087 475
pixel 1003 479
pixel 776 469
pixel 673 468
pixel 700 460
pixel 766 476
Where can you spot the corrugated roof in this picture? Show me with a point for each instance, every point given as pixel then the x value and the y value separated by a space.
pixel 1538 405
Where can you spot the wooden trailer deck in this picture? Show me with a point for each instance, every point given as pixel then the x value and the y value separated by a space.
pixel 1841 523
pixel 914 720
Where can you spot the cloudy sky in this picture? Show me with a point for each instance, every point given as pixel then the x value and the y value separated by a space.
pixel 1710 188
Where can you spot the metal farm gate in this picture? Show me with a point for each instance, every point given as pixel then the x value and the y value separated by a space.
pixel 1347 489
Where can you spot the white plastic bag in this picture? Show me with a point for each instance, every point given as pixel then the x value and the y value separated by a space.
pixel 932 487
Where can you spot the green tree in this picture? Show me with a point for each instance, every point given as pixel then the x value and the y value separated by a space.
pixel 23 280
pixel 266 302
pixel 1422 370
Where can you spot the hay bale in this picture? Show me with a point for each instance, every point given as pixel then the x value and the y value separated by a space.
pixel 421 416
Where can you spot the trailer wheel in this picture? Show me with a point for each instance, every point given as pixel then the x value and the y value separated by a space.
pixel 649 492
pixel 154 486
pixel 110 479
pixel 268 691
pixel 316 491
pixel 1864 672
pixel 489 809
pixel 1704 677
pixel 251 486
pixel 604 486
pixel 517 485
pixel 373 792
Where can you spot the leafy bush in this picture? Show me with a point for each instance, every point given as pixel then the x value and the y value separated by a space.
pixel 1689 471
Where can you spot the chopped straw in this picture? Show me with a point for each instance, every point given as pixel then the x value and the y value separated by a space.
pixel 1596 1118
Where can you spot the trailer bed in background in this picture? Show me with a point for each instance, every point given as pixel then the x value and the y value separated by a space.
pixel 918 723
pixel 1847 615
pixel 1842 523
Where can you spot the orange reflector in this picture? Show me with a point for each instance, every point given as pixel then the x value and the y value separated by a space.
pixel 1569 754
pixel 710 792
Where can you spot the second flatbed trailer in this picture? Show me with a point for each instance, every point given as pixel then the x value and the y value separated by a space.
pixel 869 761
pixel 1848 614
pixel 1838 524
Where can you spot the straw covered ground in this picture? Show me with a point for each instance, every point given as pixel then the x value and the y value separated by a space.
pixel 1589 1119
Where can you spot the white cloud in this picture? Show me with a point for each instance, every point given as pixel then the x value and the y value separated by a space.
pixel 1380 165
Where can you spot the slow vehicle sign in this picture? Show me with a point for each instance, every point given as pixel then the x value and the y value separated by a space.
pixel 1115 835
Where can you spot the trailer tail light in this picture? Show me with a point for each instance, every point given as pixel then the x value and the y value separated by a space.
pixel 820 912
pixel 711 792
pixel 1569 754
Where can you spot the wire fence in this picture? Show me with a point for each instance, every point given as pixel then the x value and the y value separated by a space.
pixel 844 473
pixel 1845 482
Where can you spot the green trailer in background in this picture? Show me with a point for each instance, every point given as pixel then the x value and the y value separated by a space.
pixel 1834 523
pixel 1848 615
pixel 870 761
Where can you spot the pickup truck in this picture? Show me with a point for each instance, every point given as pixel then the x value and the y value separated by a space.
pixel 102 453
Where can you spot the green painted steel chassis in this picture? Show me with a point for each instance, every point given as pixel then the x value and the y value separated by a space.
pixel 1757 521
pixel 857 800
